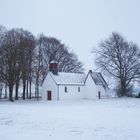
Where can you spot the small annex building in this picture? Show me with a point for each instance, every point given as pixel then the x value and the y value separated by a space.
pixel 62 85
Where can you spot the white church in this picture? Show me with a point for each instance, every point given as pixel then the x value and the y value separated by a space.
pixel 62 85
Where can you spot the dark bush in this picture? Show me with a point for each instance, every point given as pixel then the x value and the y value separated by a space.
pixel 138 96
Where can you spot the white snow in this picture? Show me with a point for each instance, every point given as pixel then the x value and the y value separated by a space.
pixel 69 78
pixel 105 119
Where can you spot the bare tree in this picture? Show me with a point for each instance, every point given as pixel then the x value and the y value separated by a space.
pixel 8 53
pixel 22 58
pixel 121 59
pixel 16 53
pixel 55 50
pixel 2 31
pixel 27 45
pixel 70 63
pixel 48 49
pixel 38 68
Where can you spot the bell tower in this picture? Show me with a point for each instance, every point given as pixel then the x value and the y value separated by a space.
pixel 53 67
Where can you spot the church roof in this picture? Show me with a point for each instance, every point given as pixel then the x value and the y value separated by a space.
pixel 64 78
pixel 98 78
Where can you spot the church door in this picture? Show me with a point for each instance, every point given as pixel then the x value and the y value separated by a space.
pixel 49 95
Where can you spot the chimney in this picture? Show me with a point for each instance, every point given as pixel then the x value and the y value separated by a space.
pixel 90 71
pixel 53 67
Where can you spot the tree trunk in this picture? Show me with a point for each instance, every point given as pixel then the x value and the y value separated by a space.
pixel 37 91
pixel 17 87
pixel 30 94
pixel 5 91
pixel 0 93
pixel 123 88
pixel 11 93
pixel 27 94
pixel 24 88
pixel 37 88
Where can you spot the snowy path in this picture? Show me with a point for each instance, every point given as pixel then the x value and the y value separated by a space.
pixel 106 119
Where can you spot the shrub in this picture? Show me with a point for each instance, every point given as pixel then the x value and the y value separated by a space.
pixel 138 96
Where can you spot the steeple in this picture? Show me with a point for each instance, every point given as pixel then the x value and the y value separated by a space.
pixel 53 67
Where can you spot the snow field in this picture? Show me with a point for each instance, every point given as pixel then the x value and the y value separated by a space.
pixel 111 119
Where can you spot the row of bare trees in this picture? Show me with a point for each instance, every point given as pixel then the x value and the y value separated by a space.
pixel 24 60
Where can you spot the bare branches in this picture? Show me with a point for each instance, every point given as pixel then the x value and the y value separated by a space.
pixel 24 58
pixel 119 58
pixel 55 50
pixel 48 49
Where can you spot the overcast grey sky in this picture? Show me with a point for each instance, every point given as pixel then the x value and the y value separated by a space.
pixel 80 24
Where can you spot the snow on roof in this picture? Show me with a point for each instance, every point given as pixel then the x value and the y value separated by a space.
pixel 53 62
pixel 69 78
pixel 98 79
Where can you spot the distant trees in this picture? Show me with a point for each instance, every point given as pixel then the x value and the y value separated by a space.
pixel 2 31
pixel 53 49
pixel 24 60
pixel 27 46
pixel 121 59
pixel 8 56
pixel 16 52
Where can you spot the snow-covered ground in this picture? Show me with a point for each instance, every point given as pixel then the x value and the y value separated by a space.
pixel 105 119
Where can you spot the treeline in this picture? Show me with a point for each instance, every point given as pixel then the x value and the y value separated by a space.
pixel 24 60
